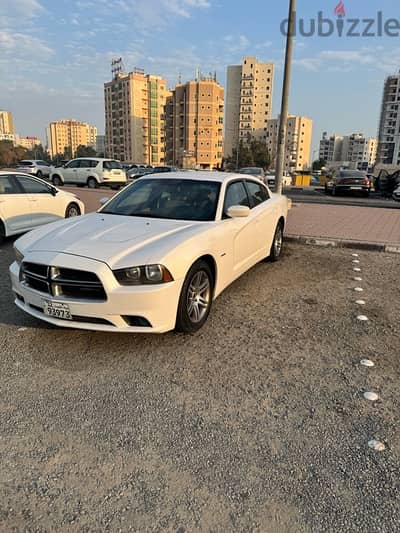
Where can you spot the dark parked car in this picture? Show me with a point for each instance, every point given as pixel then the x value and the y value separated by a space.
pixel 348 181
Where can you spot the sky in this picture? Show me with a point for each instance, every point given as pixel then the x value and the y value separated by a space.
pixel 55 55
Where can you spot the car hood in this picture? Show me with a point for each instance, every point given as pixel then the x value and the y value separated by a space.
pixel 103 237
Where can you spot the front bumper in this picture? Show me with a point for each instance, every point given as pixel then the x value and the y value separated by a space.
pixel 156 304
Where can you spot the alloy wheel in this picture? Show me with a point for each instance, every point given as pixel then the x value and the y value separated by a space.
pixel 198 296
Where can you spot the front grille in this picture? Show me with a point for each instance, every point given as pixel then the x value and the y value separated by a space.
pixel 62 282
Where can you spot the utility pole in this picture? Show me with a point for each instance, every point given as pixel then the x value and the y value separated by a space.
pixel 280 159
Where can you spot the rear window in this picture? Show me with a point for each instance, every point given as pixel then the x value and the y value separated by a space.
pixel 252 171
pixel 110 165
pixel 352 174
pixel 25 164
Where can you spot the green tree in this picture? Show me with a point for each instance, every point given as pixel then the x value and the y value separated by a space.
pixel 39 152
pixel 85 151
pixel 318 165
pixel 67 152
pixel 260 153
pixel 253 152
pixel 10 154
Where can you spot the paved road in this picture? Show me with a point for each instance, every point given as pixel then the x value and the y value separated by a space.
pixel 317 196
pixel 256 423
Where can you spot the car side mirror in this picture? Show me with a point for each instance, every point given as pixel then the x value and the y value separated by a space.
pixel 238 211
pixel 103 201
pixel 53 191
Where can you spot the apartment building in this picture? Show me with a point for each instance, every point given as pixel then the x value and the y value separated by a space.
pixel 360 150
pixel 67 135
pixel 330 147
pixel 6 122
pixel 194 122
pixel 100 144
pixel 134 117
pixel 355 150
pixel 27 142
pixel 389 124
pixel 298 141
pixel 249 89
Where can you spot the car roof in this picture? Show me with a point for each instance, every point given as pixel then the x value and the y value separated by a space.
pixel 5 172
pixel 220 177
pixel 92 159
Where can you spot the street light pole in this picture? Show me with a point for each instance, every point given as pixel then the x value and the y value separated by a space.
pixel 280 159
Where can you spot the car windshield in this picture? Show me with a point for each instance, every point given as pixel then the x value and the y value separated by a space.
pixel 178 199
pixel 109 165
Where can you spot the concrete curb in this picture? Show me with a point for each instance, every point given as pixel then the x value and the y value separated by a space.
pixel 341 243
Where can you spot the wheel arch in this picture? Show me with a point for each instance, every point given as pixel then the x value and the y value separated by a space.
pixel 57 175
pixel 3 227
pixel 209 259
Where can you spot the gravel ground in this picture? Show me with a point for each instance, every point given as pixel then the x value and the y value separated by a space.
pixel 256 423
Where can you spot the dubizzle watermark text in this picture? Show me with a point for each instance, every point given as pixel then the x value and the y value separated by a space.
pixel 323 26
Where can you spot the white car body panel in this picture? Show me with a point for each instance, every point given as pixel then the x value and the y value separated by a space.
pixel 79 175
pixel 100 243
pixel 26 211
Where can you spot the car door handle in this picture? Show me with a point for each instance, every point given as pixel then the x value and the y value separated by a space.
pixel 33 200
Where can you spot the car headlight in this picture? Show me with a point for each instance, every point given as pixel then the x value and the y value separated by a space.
pixel 19 256
pixel 143 275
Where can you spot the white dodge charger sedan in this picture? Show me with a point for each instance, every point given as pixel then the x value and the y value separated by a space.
pixel 154 257
pixel 27 202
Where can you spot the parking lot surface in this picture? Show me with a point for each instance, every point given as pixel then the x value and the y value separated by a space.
pixel 256 423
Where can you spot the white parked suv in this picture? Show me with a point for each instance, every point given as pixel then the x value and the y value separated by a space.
pixel 37 167
pixel 90 171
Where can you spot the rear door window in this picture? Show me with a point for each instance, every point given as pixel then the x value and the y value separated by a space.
pixel 73 164
pixel 8 185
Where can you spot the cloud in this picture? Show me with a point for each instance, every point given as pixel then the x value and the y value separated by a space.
pixel 13 11
pixel 370 58
pixel 361 57
pixel 145 15
pixel 235 43
pixel 27 8
pixel 14 45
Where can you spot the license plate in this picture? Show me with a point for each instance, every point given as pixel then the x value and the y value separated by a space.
pixel 57 310
pixel 356 188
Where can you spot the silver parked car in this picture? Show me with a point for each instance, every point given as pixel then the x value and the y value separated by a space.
pixel 37 167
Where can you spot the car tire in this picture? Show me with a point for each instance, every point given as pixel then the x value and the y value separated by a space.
pixel 277 244
pixel 199 283
pixel 114 187
pixel 2 232
pixel 39 174
pixel 92 183
pixel 366 194
pixel 73 210
pixel 57 181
